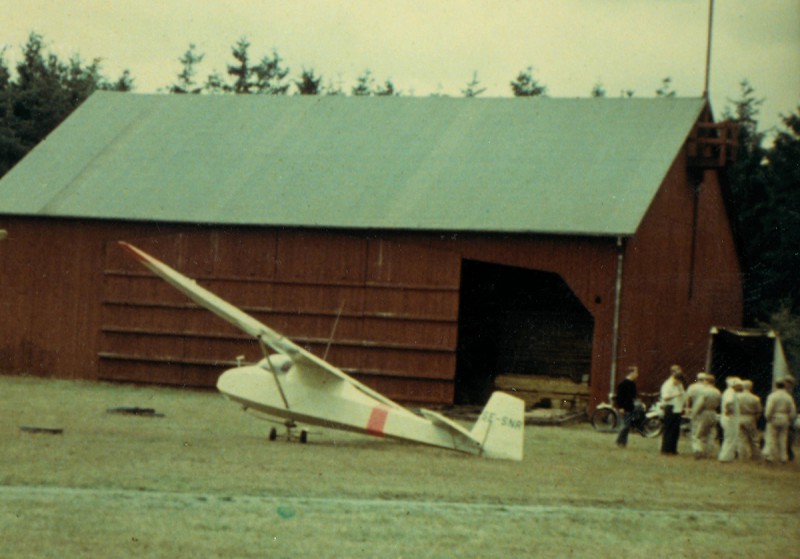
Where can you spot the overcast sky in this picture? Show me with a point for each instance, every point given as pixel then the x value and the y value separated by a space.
pixel 434 46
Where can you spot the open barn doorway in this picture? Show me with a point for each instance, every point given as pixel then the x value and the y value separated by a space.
pixel 516 321
pixel 753 353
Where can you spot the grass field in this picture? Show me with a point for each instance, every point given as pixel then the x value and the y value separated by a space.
pixel 203 481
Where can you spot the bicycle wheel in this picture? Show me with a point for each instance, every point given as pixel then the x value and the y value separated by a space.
pixel 605 419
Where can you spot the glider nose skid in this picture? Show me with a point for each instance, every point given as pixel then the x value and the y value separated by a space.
pixel 245 385
pixel 230 383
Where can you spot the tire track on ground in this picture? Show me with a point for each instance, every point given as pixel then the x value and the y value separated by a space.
pixel 325 504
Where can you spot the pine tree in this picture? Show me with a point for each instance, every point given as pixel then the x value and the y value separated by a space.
pixel 43 93
pixel 186 83
pixel 241 71
pixel 525 85
pixel 666 88
pixel 309 83
pixel 364 85
pixel 748 184
pixel 598 90
pixel 472 89
pixel 270 75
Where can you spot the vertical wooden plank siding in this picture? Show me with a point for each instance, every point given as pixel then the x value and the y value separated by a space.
pixel 49 314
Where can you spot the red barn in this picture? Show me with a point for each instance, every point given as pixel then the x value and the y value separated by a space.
pixel 434 247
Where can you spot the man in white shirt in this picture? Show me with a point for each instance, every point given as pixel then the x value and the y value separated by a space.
pixel 702 403
pixel 729 419
pixel 780 413
pixel 672 393
pixel 750 409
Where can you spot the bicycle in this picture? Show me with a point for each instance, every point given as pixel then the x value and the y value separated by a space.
pixel 648 423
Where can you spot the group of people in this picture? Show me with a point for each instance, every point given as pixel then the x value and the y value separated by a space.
pixel 736 411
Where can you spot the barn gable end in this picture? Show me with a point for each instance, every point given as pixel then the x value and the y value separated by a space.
pixel 681 276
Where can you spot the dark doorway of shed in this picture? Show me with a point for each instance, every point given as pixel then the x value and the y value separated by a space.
pixel 521 322
pixel 748 354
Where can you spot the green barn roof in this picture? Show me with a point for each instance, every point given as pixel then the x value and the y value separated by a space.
pixel 542 165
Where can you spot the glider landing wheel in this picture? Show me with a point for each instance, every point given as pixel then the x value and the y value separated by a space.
pixel 303 436
pixel 273 434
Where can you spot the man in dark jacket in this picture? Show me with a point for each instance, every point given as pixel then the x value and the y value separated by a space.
pixel 626 402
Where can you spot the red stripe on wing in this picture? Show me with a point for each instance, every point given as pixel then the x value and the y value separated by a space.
pixel 377 421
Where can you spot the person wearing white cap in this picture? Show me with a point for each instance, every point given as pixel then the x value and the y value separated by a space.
pixel 750 409
pixel 692 393
pixel 780 413
pixel 703 400
pixel 729 419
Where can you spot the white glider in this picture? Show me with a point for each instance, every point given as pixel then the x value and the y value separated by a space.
pixel 296 386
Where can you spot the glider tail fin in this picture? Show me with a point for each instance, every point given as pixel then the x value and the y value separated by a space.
pixel 501 427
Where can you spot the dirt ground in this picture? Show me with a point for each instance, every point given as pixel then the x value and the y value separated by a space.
pixel 203 481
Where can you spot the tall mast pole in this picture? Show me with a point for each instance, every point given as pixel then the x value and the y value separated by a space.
pixel 708 48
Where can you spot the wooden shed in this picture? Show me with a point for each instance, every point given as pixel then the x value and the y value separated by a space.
pixel 435 248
